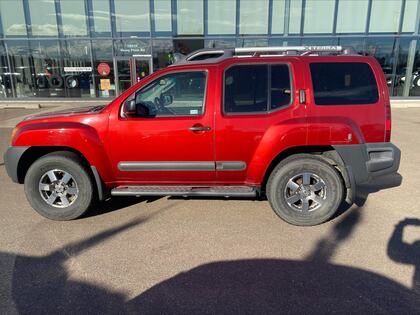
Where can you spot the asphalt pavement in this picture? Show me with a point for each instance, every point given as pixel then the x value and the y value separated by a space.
pixel 216 256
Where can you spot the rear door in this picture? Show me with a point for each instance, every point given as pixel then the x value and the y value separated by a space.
pixel 259 105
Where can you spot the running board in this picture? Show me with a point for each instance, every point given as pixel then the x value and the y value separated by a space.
pixel 215 191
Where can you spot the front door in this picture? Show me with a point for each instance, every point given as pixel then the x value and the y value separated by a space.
pixel 130 70
pixel 175 145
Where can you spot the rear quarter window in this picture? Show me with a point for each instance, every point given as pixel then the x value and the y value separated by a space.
pixel 343 83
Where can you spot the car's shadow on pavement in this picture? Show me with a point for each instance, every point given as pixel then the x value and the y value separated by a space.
pixel 273 286
pixel 115 204
pixel 43 284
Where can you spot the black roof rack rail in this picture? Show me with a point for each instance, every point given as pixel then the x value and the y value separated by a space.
pixel 214 55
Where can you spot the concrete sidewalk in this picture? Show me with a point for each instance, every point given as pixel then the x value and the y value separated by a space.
pixel 403 102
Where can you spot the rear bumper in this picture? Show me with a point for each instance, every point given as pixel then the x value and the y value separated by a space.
pixel 11 161
pixel 369 160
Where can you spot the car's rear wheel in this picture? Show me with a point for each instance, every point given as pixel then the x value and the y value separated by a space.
pixel 305 190
pixel 58 186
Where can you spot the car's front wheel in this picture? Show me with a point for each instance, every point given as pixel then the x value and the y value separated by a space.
pixel 58 186
pixel 305 190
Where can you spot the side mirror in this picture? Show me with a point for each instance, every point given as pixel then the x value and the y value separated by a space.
pixel 147 110
pixel 130 107
pixel 141 109
pixel 166 99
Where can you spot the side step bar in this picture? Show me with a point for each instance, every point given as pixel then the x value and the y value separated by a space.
pixel 214 191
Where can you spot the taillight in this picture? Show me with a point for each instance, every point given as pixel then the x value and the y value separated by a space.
pixel 388 124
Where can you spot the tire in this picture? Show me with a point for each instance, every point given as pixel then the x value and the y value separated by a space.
pixel 56 81
pixel 42 82
pixel 416 81
pixel 286 183
pixel 72 82
pixel 78 191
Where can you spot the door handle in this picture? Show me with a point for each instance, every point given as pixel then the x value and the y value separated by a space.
pixel 302 97
pixel 199 128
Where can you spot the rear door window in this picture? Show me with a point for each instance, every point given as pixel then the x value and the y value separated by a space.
pixel 281 90
pixel 246 89
pixel 343 83
pixel 257 88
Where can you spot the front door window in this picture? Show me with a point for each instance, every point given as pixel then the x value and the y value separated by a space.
pixel 176 94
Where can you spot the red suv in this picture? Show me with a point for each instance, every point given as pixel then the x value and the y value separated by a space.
pixel 301 128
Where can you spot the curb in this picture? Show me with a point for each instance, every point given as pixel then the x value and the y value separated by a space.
pixel 37 104
pixel 11 122
pixel 20 106
pixel 405 104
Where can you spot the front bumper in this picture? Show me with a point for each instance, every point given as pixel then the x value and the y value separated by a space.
pixel 11 161
pixel 369 160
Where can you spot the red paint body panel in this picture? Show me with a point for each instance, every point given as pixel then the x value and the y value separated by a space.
pixel 82 132
pixel 106 139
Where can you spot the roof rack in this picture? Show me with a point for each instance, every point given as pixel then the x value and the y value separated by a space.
pixel 215 55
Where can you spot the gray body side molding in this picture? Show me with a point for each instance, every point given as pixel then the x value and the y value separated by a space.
pixel 166 166
pixel 230 166
pixel 182 166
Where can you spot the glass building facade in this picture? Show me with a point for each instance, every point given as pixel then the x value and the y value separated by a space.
pixel 98 48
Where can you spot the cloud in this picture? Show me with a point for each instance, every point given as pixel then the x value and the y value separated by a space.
pixel 16 29
pixel 44 29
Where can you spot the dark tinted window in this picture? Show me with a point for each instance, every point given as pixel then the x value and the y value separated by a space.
pixel 246 89
pixel 280 86
pixel 343 83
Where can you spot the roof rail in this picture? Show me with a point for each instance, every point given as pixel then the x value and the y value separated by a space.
pixel 304 49
pixel 212 55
